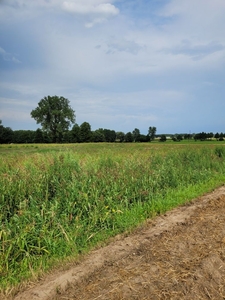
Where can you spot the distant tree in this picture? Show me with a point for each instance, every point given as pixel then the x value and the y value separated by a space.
pixel 151 133
pixel 120 136
pixel 221 137
pixel 110 135
pixel 75 134
pixel 85 132
pixel 46 137
pixel 143 138
pixel 67 137
pixel 24 136
pixel 55 116
pixel 187 136
pixel 196 136
pixel 217 136
pixel 18 137
pixel 174 138
pixel 210 135
pixel 136 135
pixel 38 137
pixel 163 138
pixel 6 134
pixel 128 137
pixel 98 136
pixel 1 132
pixel 202 136
pixel 179 137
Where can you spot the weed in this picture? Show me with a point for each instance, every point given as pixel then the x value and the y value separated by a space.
pixel 57 202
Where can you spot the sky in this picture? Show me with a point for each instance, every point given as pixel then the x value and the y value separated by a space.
pixel 122 64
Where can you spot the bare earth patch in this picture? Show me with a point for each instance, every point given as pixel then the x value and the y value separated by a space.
pixel 180 255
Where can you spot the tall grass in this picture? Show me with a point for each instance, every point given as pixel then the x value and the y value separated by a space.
pixel 55 204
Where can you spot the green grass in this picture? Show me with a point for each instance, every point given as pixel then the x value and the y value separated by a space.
pixel 57 201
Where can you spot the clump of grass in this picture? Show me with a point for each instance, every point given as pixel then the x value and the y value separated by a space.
pixel 55 204
pixel 220 151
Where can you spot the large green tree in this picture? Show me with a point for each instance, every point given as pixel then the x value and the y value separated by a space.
pixel 55 116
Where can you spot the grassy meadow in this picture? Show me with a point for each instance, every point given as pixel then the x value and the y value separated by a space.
pixel 58 201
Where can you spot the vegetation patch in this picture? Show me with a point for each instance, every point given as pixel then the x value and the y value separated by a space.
pixel 57 201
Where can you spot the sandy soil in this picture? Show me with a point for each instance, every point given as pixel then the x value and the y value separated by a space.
pixel 180 255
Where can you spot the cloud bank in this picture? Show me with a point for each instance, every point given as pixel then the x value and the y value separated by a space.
pixel 122 64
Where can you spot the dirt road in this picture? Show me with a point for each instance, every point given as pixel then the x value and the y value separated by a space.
pixel 180 255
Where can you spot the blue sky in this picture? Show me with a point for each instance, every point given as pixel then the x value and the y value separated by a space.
pixel 122 64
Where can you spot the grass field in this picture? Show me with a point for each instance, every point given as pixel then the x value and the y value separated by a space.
pixel 57 201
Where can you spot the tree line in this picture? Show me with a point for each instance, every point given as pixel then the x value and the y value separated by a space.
pixel 57 117
pixel 78 134
pixel 83 134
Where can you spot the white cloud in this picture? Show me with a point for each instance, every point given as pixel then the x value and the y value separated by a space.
pixel 90 7
pixel 96 11
pixel 123 45
pixel 193 7
pixel 8 56
pixel 93 11
pixel 201 19
pixel 94 21
pixel 195 51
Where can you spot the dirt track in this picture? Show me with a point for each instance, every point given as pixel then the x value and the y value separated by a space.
pixel 180 255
